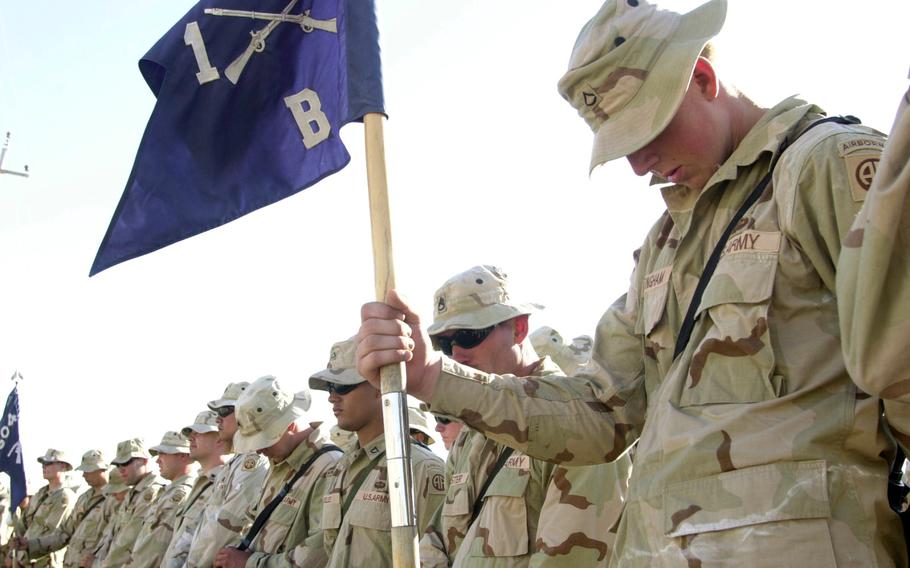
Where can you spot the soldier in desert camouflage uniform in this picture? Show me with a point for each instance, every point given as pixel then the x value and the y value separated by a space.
pixel 81 532
pixel 132 463
pixel 583 505
pixel 499 527
pixel 175 465
pixel 755 447
pixel 356 518
pixel 873 283
pixel 272 421
pixel 49 508
pixel 206 449
pixel 114 494
pixel 234 491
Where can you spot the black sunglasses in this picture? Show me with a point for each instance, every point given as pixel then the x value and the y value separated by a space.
pixel 341 390
pixel 464 338
pixel 224 411
pixel 443 421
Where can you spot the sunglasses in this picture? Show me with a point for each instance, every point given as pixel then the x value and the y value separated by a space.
pixel 464 338
pixel 341 390
pixel 443 421
pixel 224 411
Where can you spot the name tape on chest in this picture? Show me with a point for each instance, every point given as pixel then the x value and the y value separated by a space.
pixel 657 279
pixel 460 478
pixel 752 241
pixel 373 497
pixel 331 498
pixel 290 501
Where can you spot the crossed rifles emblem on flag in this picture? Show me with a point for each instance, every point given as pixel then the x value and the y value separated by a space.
pixel 257 40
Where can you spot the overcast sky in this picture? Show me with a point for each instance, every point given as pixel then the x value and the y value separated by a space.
pixel 487 164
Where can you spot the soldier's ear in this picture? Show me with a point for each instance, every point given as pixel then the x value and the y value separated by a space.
pixel 704 78
pixel 520 328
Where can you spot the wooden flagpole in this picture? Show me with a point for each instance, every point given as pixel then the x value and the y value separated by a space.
pixel 393 377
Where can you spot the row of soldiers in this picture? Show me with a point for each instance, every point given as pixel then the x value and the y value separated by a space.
pixel 276 489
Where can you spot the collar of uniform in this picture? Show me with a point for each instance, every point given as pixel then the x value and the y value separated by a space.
pixel 147 480
pixel 187 479
pixel 766 136
pixel 213 473
pixel 373 447
pixel 317 438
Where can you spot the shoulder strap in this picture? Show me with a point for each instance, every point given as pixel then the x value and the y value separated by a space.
pixel 264 515
pixel 478 501
pixel 685 330
pixel 358 481
pixel 92 506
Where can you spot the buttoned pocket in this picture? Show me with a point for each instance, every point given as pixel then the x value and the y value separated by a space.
pixel 734 360
pixel 502 526
pixel 754 514
pixel 331 511
pixel 370 510
pixel 457 502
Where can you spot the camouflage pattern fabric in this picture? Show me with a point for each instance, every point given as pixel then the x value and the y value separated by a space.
pixel 130 517
pixel 582 508
pixel 873 283
pixel 754 445
pixel 158 526
pixel 293 526
pixel 47 510
pixel 112 513
pixel 504 531
pixel 362 536
pixel 80 532
pixel 188 518
pixel 235 490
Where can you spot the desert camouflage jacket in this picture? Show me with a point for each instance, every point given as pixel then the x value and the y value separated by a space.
pixel 80 533
pixel 129 520
pixel 755 447
pixel 158 526
pixel 235 489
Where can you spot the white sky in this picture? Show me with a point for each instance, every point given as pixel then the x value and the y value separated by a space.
pixel 487 164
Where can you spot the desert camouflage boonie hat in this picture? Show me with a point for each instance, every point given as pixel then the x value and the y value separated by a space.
pixel 93 460
pixel 417 420
pixel 475 299
pixel 172 443
pixel 55 456
pixel 129 449
pixel 264 412
pixel 341 368
pixel 630 69
pixel 547 342
pixel 206 421
pixel 115 483
pixel 231 393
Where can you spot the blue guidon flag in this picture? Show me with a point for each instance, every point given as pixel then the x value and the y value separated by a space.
pixel 251 96
pixel 11 450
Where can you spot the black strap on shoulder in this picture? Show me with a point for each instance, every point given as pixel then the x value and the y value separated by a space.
pixel 264 515
pixel 685 330
pixel 478 501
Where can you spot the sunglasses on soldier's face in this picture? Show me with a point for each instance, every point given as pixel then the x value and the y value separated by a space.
pixel 224 411
pixel 464 338
pixel 341 390
pixel 443 421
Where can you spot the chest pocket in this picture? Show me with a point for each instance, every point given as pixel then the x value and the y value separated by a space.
pixel 370 510
pixel 458 499
pixel 502 526
pixel 734 361
pixel 331 511
pixel 655 288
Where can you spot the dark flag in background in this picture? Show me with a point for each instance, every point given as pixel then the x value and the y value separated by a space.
pixel 11 450
pixel 251 96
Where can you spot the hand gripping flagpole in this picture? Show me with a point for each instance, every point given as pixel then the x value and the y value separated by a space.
pixel 393 377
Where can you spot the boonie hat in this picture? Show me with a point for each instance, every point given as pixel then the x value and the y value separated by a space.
pixel 129 449
pixel 55 456
pixel 630 69
pixel 206 421
pixel 547 342
pixel 475 299
pixel 264 412
pixel 417 420
pixel 172 443
pixel 115 483
pixel 93 460
pixel 231 393
pixel 341 368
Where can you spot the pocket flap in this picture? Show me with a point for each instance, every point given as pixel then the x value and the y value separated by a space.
pixel 457 503
pixel 744 275
pixel 512 479
pixel 749 496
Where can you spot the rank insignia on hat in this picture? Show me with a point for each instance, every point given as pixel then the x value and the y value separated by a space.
pixel 249 463
pixel 441 304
